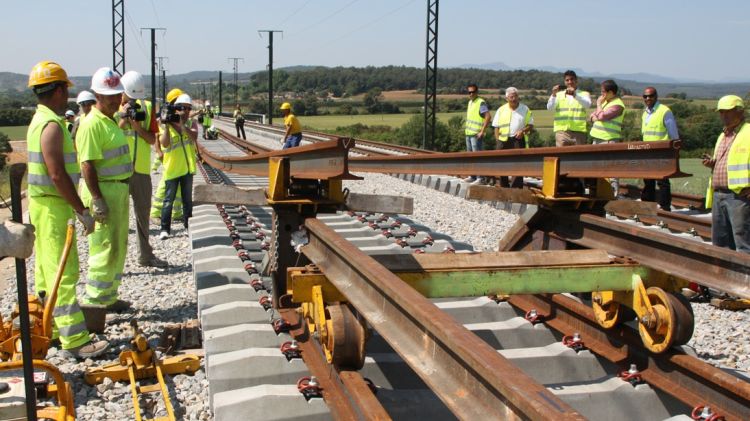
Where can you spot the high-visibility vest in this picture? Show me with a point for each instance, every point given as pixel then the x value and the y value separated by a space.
pixel 738 163
pixel 115 163
pixel 206 119
pixel 40 183
pixel 140 150
pixel 655 128
pixel 610 129
pixel 474 120
pixel 177 156
pixel 569 114
pixel 505 115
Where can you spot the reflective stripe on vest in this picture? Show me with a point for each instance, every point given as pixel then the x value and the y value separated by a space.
pixel 140 151
pixel 611 129
pixel 655 128
pixel 474 121
pixel 39 181
pixel 115 163
pixel 738 163
pixel 506 114
pixel 569 114
pixel 177 160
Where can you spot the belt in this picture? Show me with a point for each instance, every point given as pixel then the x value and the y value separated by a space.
pixel 124 181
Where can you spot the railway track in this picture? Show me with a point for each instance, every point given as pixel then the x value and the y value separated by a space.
pixel 248 373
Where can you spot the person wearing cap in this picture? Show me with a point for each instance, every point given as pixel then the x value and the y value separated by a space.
pixel 729 187
pixel 176 139
pixel 106 166
pixel 293 134
pixel 85 101
pixel 70 117
pixel 157 201
pixel 137 120
pixel 569 106
pixel 53 200
pixel 657 123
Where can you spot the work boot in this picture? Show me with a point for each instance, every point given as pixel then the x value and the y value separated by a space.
pixel 118 306
pixel 91 349
pixel 163 235
pixel 153 262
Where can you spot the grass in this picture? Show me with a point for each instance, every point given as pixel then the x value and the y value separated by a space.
pixel 15 132
pixel 695 184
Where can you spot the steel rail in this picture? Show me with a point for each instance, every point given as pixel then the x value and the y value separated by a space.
pixel 634 160
pixel 682 200
pixel 715 267
pixel 249 147
pixel 468 375
pixel 325 160
pixel 676 222
pixel 685 377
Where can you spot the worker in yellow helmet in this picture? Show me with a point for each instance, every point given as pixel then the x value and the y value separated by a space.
pixel 53 200
pixel 293 134
pixel 106 166
pixel 157 201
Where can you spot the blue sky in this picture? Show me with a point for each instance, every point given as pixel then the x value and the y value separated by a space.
pixel 682 39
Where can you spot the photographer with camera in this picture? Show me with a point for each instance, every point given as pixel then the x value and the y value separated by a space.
pixel 177 139
pixel 137 120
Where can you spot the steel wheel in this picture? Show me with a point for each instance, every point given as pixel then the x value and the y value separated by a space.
pixel 346 337
pixel 670 322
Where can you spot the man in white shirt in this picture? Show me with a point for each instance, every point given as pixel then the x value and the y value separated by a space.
pixel 513 122
pixel 570 111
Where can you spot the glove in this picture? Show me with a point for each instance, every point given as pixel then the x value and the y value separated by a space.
pixel 86 220
pixel 100 209
pixel 16 239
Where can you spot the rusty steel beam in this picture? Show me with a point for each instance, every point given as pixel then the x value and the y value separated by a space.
pixel 324 160
pixel 249 147
pixel 715 267
pixel 687 378
pixel 632 160
pixel 470 377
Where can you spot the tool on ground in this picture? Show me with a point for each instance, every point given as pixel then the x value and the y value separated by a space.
pixel 141 362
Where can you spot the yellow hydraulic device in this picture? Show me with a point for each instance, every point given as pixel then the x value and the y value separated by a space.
pixel 140 363
pixel 40 320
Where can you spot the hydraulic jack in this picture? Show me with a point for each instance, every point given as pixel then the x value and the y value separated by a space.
pixel 141 362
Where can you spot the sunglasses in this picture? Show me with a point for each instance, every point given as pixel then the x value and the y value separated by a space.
pixel 649 96
pixel 182 108
pixel 472 92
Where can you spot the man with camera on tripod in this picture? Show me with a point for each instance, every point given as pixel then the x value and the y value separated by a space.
pixel 138 122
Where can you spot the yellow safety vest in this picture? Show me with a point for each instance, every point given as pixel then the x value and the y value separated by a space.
pixel 177 156
pixel 140 151
pixel 504 122
pixel 474 120
pixel 569 114
pixel 655 128
pixel 610 129
pixel 115 163
pixel 738 163
pixel 40 183
pixel 207 119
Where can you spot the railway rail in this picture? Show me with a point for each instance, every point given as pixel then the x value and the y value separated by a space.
pixel 679 381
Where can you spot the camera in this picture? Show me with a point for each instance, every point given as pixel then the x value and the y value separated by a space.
pixel 133 112
pixel 169 114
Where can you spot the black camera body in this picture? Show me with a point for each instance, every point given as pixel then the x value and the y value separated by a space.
pixel 133 112
pixel 169 114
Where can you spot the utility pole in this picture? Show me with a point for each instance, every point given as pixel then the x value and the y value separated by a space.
pixel 430 65
pixel 270 71
pixel 118 36
pixel 236 82
pixel 221 97
pixel 153 62
pixel 163 77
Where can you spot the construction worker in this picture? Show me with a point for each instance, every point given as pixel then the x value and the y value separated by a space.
pixel 729 188
pixel 239 121
pixel 570 111
pixel 70 117
pixel 85 101
pixel 53 200
pixel 176 140
pixel 207 119
pixel 477 120
pixel 137 120
pixel 293 134
pixel 158 198
pixel 513 122
pixel 607 121
pixel 106 166
pixel 657 123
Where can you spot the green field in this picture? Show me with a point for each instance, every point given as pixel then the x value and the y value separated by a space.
pixel 331 122
pixel 15 132
pixel 695 184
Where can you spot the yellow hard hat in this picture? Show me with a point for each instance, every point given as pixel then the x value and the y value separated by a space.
pixel 286 106
pixel 173 94
pixel 47 72
pixel 729 102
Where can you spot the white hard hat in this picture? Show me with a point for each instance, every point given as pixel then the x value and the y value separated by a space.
pixel 208 103
pixel 106 82
pixel 134 85
pixel 70 113
pixel 183 99
pixel 85 96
